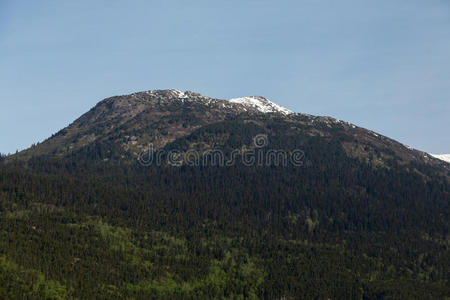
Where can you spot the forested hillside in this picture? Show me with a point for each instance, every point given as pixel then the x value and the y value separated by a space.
pixel 361 217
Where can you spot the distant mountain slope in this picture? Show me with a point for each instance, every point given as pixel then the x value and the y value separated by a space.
pixel 444 157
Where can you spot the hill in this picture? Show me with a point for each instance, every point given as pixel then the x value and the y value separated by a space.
pixel 174 195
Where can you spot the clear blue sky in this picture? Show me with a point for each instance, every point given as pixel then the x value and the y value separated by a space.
pixel 381 64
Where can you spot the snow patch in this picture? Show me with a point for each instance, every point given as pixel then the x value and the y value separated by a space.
pixel 444 157
pixel 179 94
pixel 175 93
pixel 261 104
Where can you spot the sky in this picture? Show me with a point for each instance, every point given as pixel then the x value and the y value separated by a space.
pixel 383 65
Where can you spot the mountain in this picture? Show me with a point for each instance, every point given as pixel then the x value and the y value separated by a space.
pixel 173 195
pixel 130 123
pixel 444 157
pixel 159 117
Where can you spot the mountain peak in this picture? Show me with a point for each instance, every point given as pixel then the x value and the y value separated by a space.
pixel 129 123
pixel 261 104
pixel 250 103
pixel 171 93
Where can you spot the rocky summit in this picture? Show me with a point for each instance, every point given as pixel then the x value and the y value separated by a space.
pixel 129 123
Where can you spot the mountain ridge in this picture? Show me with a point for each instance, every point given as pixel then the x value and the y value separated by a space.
pixel 159 117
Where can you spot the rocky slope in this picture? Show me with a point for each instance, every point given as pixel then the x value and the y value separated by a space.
pixel 132 122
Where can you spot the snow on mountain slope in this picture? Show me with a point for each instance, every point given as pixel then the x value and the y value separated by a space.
pixel 444 157
pixel 261 104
